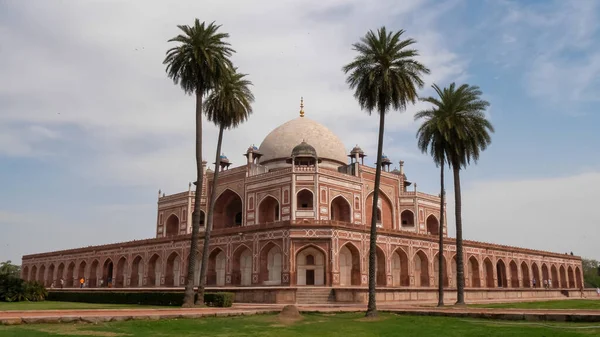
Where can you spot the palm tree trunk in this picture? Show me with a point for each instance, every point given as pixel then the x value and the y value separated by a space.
pixel 209 219
pixel 372 306
pixel 188 299
pixel 460 272
pixel 441 244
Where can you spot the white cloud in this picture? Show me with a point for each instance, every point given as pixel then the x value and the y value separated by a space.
pixel 557 214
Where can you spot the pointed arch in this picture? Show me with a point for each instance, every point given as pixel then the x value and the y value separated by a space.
pixel 340 209
pixel 60 272
pixel 349 260
pixel 93 279
pixel 310 265
pixel 241 271
pixel 137 271
pixel 172 226
pixel 578 281
pixel 473 272
pixel 488 272
pixel 25 273
pixel 432 224
pixel 41 274
pixel 121 273
pixel 571 277
pixel 400 275
pixel 514 274
pixel 563 277
pixel 154 270
pixel 228 210
pixel 50 275
pixel 384 212
pixel 70 275
pixel 268 209
pixel 305 199
pixel 554 277
pixel 545 272
pixel 33 273
pixel 535 273
pixel 215 273
pixel 525 275
pixel 172 270
pixel 271 263
pixel 81 271
pixel 421 269
pixel 436 270
pixel 407 218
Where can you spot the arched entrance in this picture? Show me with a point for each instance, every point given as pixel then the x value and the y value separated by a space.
pixel 172 226
pixel 310 263
pixel 563 277
pixel 241 273
pixel 349 258
pixel 120 279
pixel 107 273
pixel 433 225
pixel 81 272
pixel 60 273
pixel 172 271
pixel 407 218
pixel 154 271
pixel 137 272
pixel 268 210
pixel 93 279
pixel 384 213
pixel 270 265
pixel 501 274
pixel 70 275
pixel 25 273
pixel 514 274
pixel 50 275
pixel 202 218
pixel 545 273
pixel 535 271
pixel 304 200
pixel 571 277
pixel 33 274
pixel 436 271
pixel 216 268
pixel 400 276
pixel 473 271
pixel 421 269
pixel 488 273
pixel 340 209
pixel 555 279
pixel 525 273
pixel 228 210
pixel 578 278
pixel 41 274
pixel 380 267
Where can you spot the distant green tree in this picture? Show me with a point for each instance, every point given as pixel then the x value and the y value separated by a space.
pixel 10 269
pixel 590 273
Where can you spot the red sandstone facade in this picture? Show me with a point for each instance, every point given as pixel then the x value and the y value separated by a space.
pixel 297 214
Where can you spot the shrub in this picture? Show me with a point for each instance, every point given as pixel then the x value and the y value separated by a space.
pixel 142 298
pixel 14 289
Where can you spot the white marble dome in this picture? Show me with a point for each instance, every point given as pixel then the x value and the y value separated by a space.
pixel 278 144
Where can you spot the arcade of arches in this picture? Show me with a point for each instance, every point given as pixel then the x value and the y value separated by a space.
pixel 265 264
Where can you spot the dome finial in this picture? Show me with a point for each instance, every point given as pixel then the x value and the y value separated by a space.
pixel 301 106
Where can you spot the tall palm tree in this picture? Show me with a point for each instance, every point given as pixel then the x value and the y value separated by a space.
pixel 466 131
pixel 228 105
pixel 197 63
pixel 384 75
pixel 431 139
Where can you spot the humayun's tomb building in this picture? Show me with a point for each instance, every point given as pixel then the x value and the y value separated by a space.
pixel 292 225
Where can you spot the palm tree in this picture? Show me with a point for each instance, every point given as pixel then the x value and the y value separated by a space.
pixel 431 139
pixel 228 105
pixel 461 120
pixel 197 63
pixel 384 75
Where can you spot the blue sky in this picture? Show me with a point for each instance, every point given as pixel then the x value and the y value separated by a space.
pixel 91 128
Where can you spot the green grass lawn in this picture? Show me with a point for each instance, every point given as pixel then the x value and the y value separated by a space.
pixel 562 304
pixel 347 324
pixel 51 305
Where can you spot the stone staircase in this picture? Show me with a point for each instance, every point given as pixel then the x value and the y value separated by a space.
pixel 314 295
